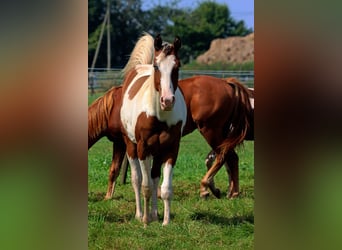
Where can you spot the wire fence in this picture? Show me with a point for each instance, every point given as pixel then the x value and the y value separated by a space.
pixel 102 79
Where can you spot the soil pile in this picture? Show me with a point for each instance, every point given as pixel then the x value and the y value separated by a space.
pixel 234 50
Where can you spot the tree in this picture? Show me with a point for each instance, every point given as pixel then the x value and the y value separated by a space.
pixel 238 28
pixel 126 20
pixel 196 27
pixel 199 27
pixel 96 12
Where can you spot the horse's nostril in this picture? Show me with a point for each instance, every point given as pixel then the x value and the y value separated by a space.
pixel 167 101
pixel 170 101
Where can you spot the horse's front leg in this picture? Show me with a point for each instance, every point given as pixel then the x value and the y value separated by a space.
pixel 136 179
pixel 131 151
pixel 147 186
pixel 155 174
pixel 154 210
pixel 166 191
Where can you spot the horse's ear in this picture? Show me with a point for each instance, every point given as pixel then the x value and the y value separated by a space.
pixel 158 42
pixel 177 43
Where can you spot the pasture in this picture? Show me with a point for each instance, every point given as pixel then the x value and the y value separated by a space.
pixel 195 223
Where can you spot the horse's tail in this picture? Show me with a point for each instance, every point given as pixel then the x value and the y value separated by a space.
pixel 250 131
pixel 239 121
pixel 98 115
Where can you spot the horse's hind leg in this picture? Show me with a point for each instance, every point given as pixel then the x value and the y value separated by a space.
pixel 113 173
pixel 208 178
pixel 232 168
pixel 209 162
pixel 119 149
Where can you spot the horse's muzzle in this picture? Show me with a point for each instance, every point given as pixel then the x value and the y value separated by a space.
pixel 167 103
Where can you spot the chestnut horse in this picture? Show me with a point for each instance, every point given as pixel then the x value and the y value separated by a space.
pixel 232 163
pixel 196 90
pixel 220 109
pixel 104 120
pixel 153 115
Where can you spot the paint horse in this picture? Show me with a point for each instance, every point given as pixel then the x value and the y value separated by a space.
pixel 153 115
pixel 206 98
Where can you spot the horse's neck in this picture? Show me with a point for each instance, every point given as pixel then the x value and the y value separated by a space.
pixel 141 71
pixel 151 95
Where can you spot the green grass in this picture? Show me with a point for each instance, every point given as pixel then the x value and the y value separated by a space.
pixel 195 223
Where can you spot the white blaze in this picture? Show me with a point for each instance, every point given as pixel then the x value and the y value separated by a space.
pixel 165 67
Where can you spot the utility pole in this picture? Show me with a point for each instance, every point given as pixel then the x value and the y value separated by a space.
pixel 99 42
pixel 108 36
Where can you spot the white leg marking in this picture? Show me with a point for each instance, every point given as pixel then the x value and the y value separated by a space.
pixel 146 186
pixel 136 183
pixel 155 199
pixel 166 191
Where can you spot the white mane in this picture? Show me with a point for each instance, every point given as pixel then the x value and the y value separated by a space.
pixel 143 53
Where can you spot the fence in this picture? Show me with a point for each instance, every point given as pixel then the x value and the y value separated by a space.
pixel 100 79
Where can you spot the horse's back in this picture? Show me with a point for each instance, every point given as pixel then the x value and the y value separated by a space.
pixel 114 122
pixel 101 116
pixel 207 97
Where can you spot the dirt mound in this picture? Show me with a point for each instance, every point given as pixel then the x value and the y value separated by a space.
pixel 229 50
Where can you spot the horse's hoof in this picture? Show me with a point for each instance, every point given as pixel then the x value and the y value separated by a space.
pixel 106 198
pixel 165 223
pixel 138 217
pixel 217 193
pixel 233 195
pixel 204 194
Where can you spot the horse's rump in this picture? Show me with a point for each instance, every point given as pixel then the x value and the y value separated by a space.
pixel 239 121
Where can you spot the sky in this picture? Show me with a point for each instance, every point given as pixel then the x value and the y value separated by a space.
pixel 239 9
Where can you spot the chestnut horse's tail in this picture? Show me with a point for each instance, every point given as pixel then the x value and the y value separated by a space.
pixel 239 120
pixel 98 115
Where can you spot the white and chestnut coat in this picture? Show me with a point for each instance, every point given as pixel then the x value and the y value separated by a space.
pixel 153 115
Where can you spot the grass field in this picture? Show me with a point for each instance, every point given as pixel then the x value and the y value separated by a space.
pixel 195 223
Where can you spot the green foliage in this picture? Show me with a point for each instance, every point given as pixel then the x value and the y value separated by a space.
pixel 196 27
pixel 95 14
pixel 239 29
pixel 195 223
pixel 126 20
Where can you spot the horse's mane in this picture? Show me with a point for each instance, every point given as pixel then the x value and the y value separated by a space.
pixel 98 115
pixel 143 53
